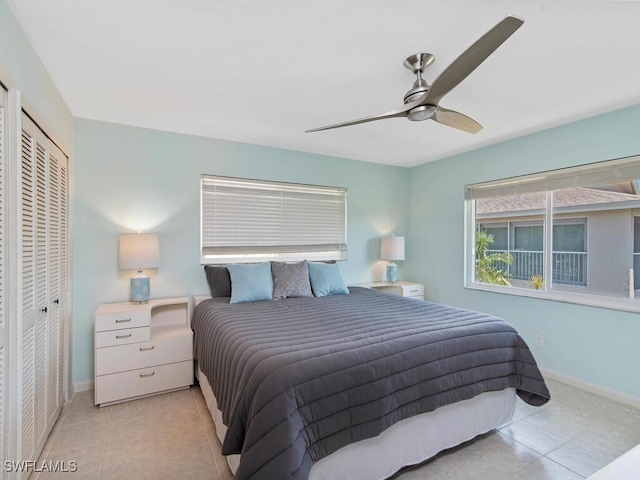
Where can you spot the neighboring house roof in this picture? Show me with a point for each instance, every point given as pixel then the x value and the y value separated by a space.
pixel 570 197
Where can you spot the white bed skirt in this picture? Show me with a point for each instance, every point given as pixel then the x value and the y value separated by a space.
pixel 408 442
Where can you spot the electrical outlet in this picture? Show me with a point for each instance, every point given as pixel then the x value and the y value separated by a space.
pixel 539 341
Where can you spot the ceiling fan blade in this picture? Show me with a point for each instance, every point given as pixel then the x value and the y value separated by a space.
pixel 470 59
pixel 456 120
pixel 398 112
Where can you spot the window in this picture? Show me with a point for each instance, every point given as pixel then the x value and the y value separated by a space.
pixel 252 220
pixel 636 252
pixel 571 234
pixel 524 243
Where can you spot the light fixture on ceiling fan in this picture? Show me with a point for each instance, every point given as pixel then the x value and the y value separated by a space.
pixel 422 101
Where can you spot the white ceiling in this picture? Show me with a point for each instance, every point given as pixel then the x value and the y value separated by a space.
pixel 263 72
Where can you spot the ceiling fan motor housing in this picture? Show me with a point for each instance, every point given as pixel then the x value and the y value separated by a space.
pixel 417 63
pixel 423 112
pixel 420 87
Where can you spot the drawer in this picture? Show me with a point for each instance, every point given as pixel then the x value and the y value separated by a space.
pixel 145 381
pixel 393 289
pixel 122 337
pixel 146 354
pixel 413 291
pixel 121 320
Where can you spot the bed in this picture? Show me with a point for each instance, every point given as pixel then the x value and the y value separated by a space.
pixel 364 383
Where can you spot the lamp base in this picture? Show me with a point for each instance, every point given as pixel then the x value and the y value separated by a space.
pixel 392 272
pixel 140 288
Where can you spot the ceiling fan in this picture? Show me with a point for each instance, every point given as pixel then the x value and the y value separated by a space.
pixel 422 101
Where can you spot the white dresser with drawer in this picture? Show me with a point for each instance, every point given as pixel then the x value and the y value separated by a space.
pixel 402 288
pixel 142 349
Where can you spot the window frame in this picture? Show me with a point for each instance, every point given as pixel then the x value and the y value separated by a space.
pixel 280 208
pixel 552 180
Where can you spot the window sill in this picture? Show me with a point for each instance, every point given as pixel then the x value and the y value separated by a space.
pixel 600 301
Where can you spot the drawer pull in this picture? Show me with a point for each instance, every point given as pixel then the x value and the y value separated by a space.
pixel 414 290
pixel 123 320
pixel 123 336
pixel 146 349
pixel 142 375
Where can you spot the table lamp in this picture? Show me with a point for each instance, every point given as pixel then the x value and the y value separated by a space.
pixel 392 248
pixel 138 251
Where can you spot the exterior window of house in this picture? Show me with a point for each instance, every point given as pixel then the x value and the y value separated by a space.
pixel 524 243
pixel 571 234
pixel 245 220
pixel 528 250
pixel 500 236
pixel 569 260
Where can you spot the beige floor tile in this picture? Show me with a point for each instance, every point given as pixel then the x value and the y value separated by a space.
pixel 579 460
pixel 174 464
pixel 226 475
pixel 134 442
pixel 563 393
pixel 500 454
pixel 530 435
pixel 87 463
pixel 221 460
pixel 460 463
pixel 83 400
pixel 179 413
pixel 607 443
pixel 90 416
pixel 78 440
pixel 172 436
pixel 523 409
pixel 562 421
pixel 179 396
pixel 135 413
pixel 134 464
pixel 77 475
pixel 545 469
pixel 440 468
pixel 168 439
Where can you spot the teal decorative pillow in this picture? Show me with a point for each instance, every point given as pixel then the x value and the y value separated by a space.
pixel 250 282
pixel 326 279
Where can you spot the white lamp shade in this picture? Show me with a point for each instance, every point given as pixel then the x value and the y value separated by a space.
pixel 139 250
pixel 392 248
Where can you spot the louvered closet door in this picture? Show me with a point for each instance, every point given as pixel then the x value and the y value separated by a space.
pixel 4 340
pixel 41 293
pixel 63 273
pixel 57 279
pixel 28 266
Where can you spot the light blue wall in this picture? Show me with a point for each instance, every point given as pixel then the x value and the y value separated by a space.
pixel 595 345
pixel 128 178
pixel 19 61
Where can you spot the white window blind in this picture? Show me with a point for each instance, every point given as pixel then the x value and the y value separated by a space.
pixel 251 220
pixel 600 173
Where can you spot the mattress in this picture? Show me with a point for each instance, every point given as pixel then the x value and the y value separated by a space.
pixel 298 379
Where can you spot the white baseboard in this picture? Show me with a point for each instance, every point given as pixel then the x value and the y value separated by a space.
pixel 82 387
pixel 590 387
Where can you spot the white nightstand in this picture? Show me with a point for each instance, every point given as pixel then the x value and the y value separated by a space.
pixel 142 350
pixel 402 288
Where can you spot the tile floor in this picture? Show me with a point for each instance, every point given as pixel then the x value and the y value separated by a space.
pixel 171 436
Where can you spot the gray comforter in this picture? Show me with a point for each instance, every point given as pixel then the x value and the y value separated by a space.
pixel 296 379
